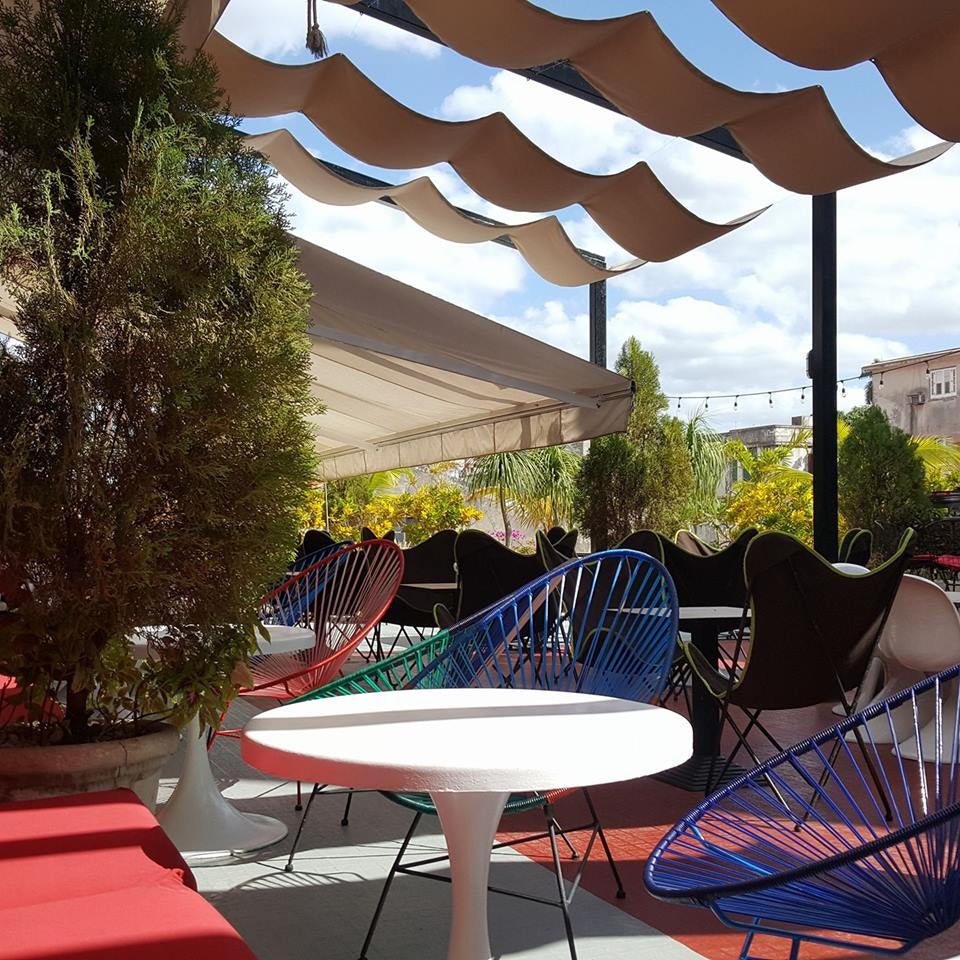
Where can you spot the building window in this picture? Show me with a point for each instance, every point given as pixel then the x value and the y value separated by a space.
pixel 943 383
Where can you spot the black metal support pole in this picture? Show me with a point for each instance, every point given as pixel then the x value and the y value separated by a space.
pixel 598 323
pixel 823 373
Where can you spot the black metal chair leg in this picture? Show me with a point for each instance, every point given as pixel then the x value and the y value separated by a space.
pixel 560 833
pixel 621 893
pixel 317 787
pixel 298 806
pixel 345 819
pixel 564 906
pixel 386 887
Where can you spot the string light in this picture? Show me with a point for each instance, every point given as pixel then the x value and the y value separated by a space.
pixel 708 398
pixel 881 378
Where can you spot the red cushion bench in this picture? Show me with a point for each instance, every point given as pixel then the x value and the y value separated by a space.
pixel 94 877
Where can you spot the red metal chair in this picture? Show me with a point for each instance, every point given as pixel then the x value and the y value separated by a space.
pixel 342 598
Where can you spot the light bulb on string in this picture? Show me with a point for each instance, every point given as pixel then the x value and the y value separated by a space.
pixel 736 401
pixel 881 378
pixel 706 403
pixel 678 403
pixel 803 394
pixel 770 398
pixel 843 388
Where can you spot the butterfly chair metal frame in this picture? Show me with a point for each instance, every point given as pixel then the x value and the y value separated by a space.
pixel 604 624
pixel 793 588
pixel 832 865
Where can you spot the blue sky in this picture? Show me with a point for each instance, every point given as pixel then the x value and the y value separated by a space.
pixel 732 316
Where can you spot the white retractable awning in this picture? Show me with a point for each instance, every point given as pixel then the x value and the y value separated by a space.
pixel 408 379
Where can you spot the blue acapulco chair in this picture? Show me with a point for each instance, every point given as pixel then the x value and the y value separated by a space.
pixel 820 863
pixel 603 624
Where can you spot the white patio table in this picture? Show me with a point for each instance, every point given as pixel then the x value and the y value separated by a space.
pixel 469 749
pixel 198 819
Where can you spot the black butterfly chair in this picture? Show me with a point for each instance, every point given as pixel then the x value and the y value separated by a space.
pixel 812 633
pixel 367 534
pixel 713 579
pixel 690 542
pixel 314 540
pixel 856 547
pixel 426 566
pixel 487 571
pixel 564 540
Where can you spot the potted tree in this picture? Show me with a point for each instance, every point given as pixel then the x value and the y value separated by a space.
pixel 155 446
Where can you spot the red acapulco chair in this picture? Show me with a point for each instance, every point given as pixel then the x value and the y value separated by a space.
pixel 342 598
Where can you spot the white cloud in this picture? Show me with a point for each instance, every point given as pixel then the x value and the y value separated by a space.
pixel 702 347
pixel 281 31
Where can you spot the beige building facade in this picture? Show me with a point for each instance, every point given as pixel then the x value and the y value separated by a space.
pixel 919 394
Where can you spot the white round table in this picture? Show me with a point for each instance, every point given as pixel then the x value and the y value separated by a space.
pixel 469 749
pixel 198 819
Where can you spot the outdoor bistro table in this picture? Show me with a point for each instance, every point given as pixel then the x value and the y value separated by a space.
pixel 198 819
pixel 705 624
pixel 469 749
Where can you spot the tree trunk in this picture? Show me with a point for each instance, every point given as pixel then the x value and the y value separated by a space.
pixel 506 518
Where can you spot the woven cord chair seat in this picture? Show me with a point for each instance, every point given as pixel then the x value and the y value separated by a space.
pixel 800 848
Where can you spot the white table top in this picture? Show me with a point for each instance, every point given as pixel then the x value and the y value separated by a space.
pixel 712 613
pixel 466 740
pixel 282 639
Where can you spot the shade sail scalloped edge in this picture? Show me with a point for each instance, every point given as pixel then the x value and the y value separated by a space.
pixel 490 154
pixel 915 46
pixel 793 137
pixel 544 244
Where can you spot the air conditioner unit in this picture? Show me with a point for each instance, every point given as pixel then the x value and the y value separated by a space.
pixel 914 399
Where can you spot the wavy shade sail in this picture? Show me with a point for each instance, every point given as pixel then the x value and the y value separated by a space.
pixel 543 243
pixel 490 154
pixel 407 378
pixel 915 46
pixel 794 138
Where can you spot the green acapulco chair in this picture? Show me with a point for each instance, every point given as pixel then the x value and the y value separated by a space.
pixel 393 673
pixel 604 624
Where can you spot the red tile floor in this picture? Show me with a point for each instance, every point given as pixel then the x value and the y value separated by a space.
pixel 638 813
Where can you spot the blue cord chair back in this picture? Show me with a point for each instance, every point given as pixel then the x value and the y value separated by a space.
pixel 802 841
pixel 294 603
pixel 603 624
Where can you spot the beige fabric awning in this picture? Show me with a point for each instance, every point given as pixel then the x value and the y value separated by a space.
pixel 544 244
pixel 794 138
pixel 408 378
pixel 915 46
pixel 490 154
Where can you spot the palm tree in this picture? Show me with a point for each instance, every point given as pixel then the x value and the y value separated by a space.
pixel 552 504
pixel 708 460
pixel 510 478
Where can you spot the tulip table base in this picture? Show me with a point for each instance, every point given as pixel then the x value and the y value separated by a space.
pixel 200 821
pixel 469 823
